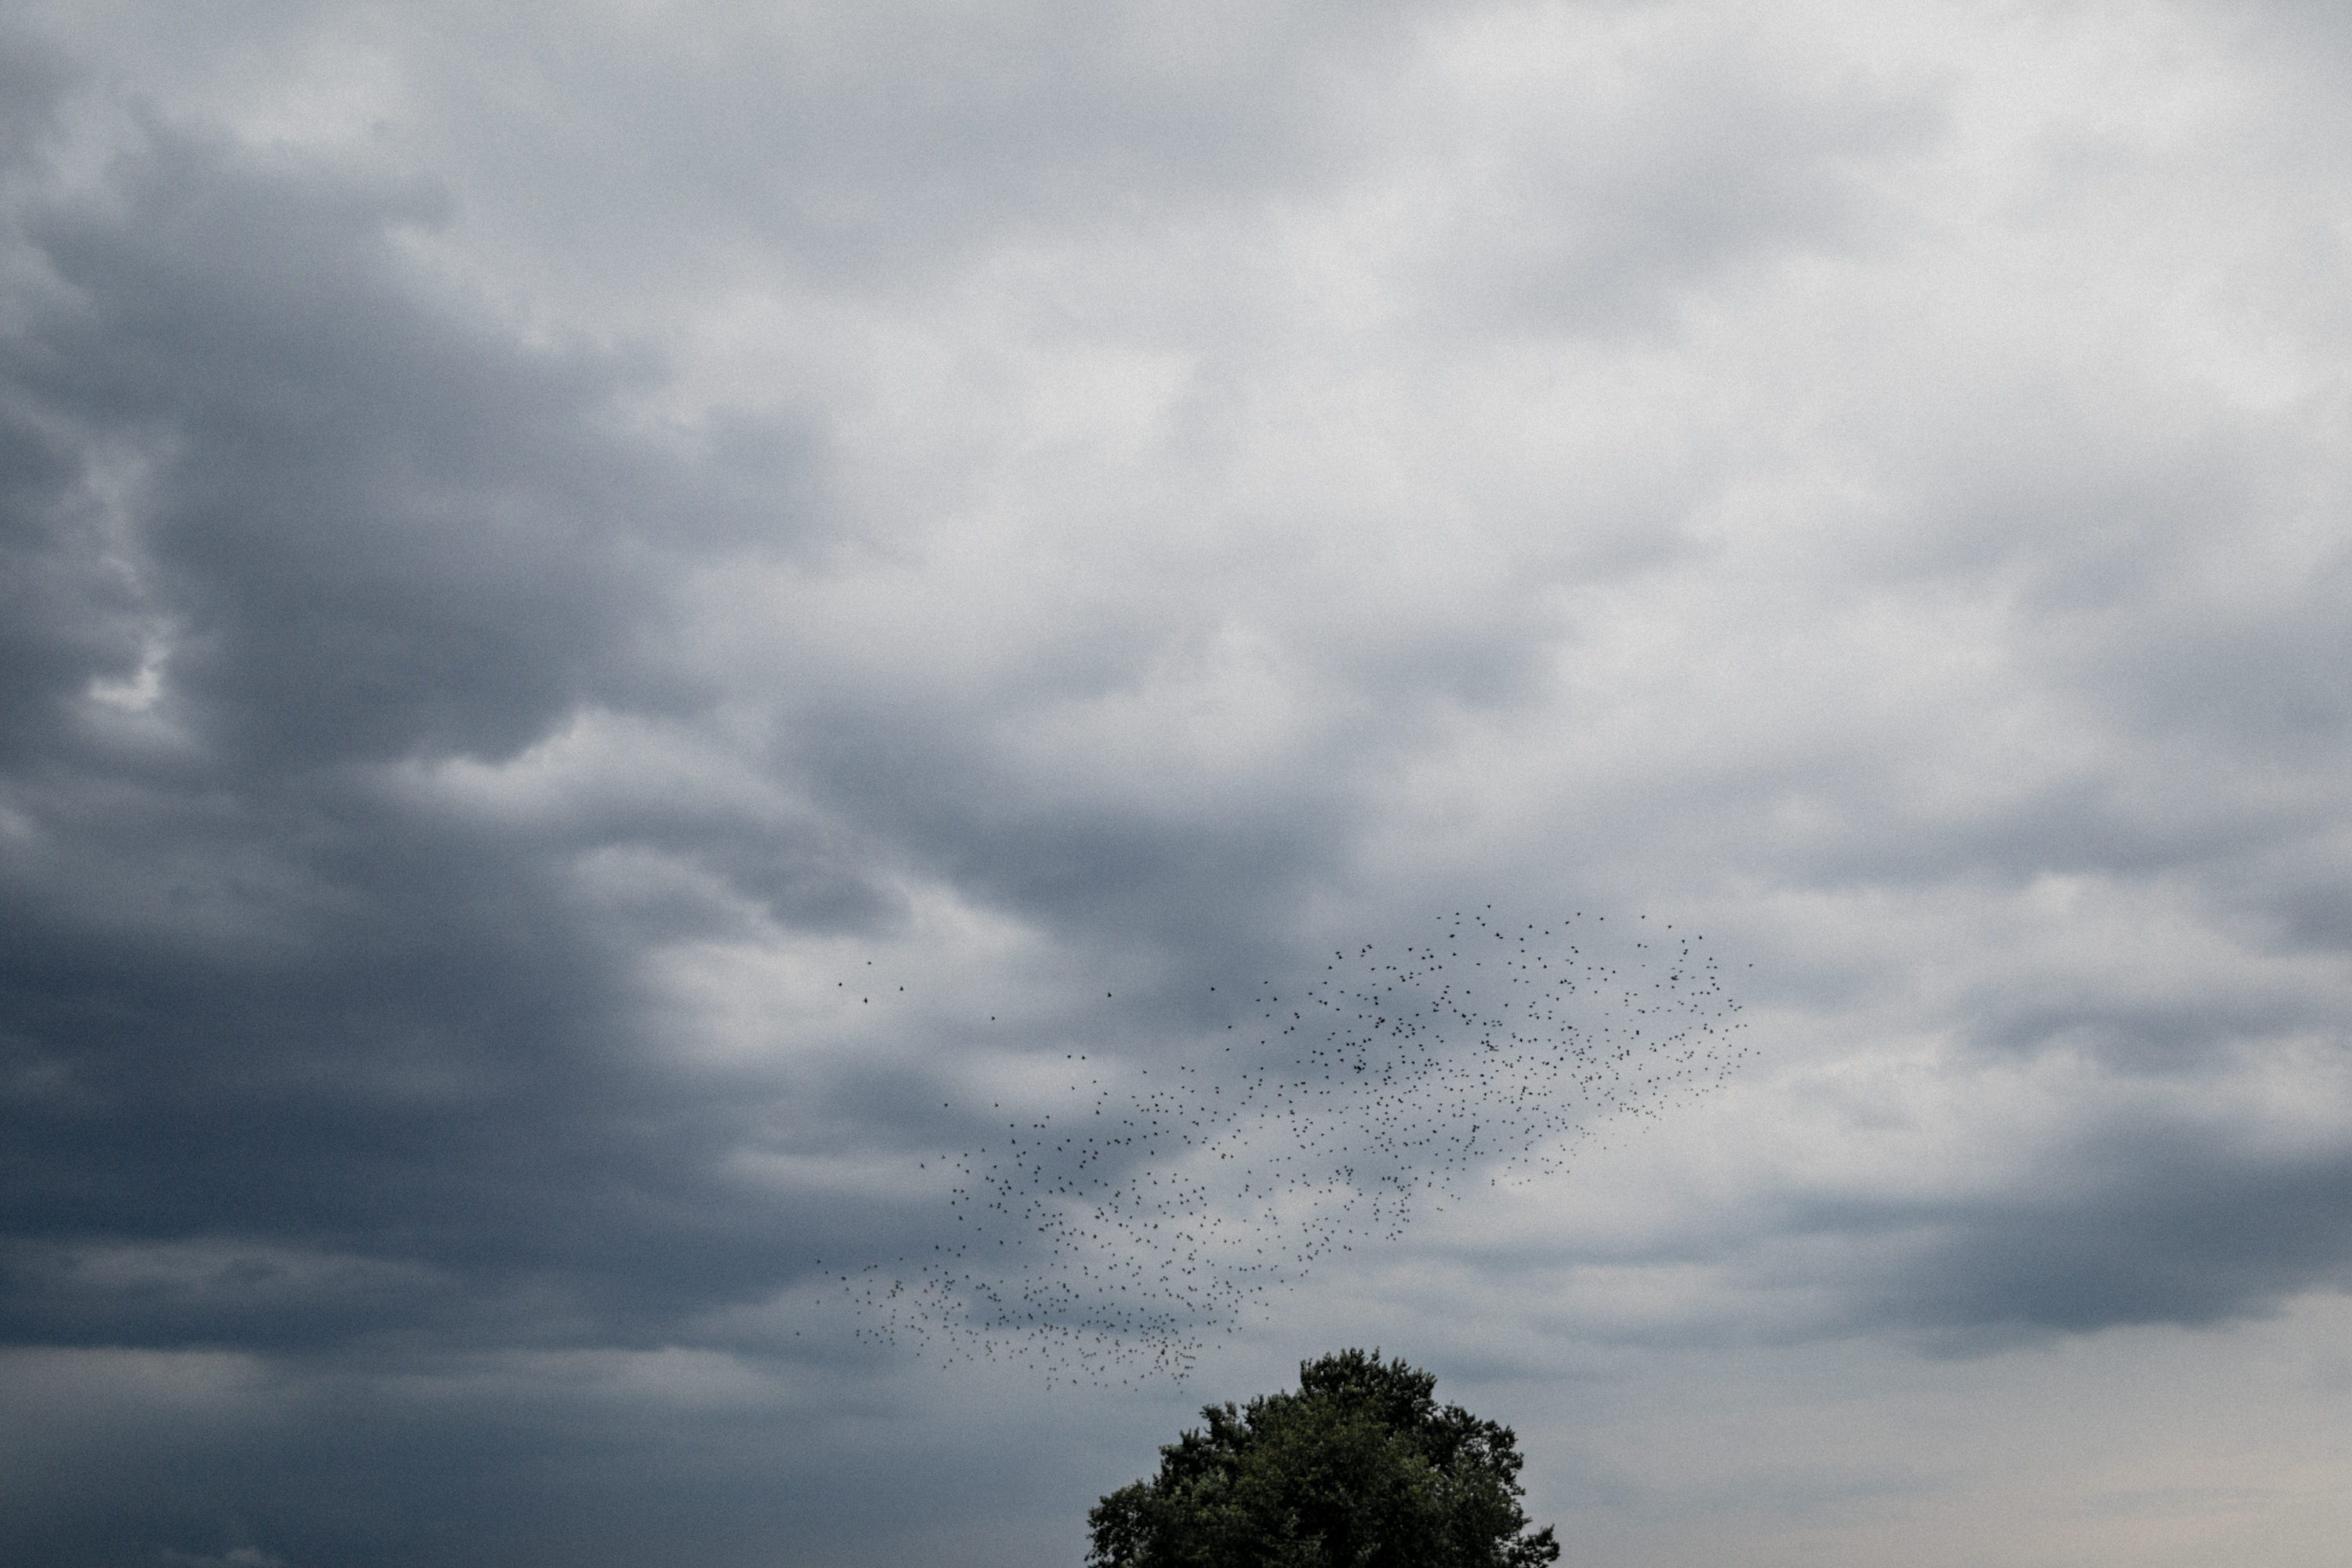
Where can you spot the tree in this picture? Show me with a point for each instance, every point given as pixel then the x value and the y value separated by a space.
pixel 1359 1468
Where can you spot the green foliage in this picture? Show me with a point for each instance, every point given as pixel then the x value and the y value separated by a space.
pixel 1359 1469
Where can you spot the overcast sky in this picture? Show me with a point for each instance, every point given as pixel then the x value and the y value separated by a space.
pixel 619 622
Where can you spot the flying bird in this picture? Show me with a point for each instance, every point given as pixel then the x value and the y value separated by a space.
pixel 1107 1241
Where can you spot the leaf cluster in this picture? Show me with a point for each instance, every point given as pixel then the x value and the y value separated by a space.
pixel 1359 1468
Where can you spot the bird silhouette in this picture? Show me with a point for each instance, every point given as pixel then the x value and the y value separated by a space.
pixel 1107 1241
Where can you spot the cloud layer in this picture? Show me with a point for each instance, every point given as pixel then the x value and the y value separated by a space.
pixel 613 630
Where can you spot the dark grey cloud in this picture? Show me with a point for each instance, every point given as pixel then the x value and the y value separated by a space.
pixel 493 1462
pixel 304 1061
pixel 293 1061
pixel 2138 1221
pixel 373 529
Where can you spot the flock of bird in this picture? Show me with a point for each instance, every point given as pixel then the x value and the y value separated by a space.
pixel 1106 1241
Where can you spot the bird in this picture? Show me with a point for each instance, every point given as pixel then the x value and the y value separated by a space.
pixel 1107 1241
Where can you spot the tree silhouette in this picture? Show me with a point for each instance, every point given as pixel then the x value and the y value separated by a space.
pixel 1359 1469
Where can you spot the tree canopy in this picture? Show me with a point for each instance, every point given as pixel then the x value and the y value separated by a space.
pixel 1359 1468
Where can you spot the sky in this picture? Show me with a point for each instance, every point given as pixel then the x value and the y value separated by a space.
pixel 633 635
